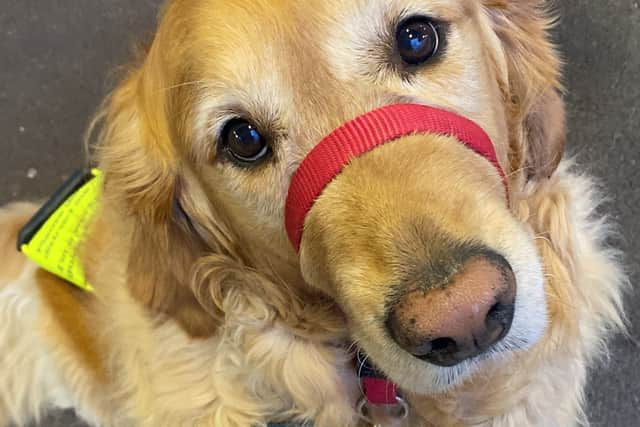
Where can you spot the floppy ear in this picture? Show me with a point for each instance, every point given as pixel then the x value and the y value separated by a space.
pixel 134 146
pixel 545 130
pixel 536 109
pixel 139 150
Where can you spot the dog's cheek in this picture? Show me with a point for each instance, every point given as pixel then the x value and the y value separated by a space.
pixel 314 261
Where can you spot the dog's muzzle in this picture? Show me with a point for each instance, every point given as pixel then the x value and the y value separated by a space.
pixel 365 133
pixel 326 161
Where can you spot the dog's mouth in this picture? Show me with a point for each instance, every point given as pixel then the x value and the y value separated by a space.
pixel 415 241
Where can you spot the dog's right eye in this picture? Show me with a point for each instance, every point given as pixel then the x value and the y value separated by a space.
pixel 242 141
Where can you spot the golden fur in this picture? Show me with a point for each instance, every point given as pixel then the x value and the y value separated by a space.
pixel 203 315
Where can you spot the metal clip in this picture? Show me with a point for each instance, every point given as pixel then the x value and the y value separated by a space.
pixel 363 410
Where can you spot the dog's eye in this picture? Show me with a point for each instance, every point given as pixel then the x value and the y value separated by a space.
pixel 244 142
pixel 417 40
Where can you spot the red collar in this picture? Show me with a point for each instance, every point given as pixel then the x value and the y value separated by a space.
pixel 362 134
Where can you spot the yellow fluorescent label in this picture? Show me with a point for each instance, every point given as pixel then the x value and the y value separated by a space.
pixel 55 246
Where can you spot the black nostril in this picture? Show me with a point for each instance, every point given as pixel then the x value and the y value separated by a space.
pixel 495 310
pixel 443 344
pixel 443 352
pixel 440 351
pixel 500 314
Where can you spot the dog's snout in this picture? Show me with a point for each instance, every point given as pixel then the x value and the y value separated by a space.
pixel 447 324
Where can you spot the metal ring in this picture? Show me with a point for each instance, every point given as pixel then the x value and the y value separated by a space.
pixel 362 405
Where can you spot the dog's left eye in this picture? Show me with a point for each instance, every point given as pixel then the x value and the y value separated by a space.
pixel 243 142
pixel 417 40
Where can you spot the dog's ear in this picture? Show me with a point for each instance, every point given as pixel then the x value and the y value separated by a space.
pixel 139 148
pixel 545 131
pixel 532 88
pixel 134 147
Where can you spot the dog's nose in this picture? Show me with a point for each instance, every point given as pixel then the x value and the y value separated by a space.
pixel 460 320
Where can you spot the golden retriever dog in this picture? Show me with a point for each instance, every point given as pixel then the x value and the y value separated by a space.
pixel 483 308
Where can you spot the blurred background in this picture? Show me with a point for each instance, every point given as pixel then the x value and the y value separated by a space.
pixel 58 58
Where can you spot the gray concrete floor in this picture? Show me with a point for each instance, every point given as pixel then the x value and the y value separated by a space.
pixel 58 57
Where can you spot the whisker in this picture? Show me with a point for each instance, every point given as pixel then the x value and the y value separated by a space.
pixel 351 347
pixel 544 238
pixel 560 301
pixel 487 194
pixel 507 176
pixel 191 83
pixel 361 363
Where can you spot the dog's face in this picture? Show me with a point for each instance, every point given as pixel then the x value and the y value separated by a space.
pixel 415 241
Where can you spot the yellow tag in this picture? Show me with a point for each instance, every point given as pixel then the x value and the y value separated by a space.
pixel 54 247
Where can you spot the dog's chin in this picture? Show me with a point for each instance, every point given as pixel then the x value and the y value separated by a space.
pixel 419 377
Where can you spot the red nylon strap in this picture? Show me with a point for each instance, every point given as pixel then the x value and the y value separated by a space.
pixel 360 135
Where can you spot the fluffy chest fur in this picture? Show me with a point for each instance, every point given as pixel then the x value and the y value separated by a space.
pixel 259 369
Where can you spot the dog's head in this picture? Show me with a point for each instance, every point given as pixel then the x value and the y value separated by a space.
pixel 415 241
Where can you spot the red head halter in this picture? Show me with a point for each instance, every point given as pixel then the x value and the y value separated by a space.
pixel 363 134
